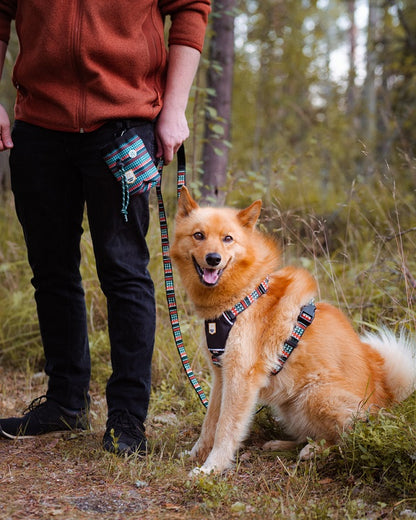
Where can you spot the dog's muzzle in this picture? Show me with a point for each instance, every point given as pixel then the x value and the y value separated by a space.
pixel 209 276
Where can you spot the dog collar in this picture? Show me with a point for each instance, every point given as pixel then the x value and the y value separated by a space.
pixel 305 318
pixel 217 330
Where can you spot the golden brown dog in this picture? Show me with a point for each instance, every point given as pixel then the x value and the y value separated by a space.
pixel 332 375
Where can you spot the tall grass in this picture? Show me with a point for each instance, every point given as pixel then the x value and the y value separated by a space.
pixel 360 248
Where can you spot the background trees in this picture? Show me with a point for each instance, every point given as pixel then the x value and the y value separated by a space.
pixel 320 89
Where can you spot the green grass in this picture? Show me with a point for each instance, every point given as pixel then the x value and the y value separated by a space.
pixel 382 451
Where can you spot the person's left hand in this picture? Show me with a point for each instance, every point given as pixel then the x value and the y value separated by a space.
pixel 171 131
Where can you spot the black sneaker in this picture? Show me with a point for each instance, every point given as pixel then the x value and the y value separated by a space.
pixel 124 434
pixel 43 415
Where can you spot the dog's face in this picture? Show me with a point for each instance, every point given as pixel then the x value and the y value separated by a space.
pixel 211 243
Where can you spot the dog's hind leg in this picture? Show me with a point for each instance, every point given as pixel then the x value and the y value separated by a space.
pixel 239 396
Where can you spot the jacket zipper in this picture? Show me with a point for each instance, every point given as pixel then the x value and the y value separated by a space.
pixel 76 49
pixel 158 44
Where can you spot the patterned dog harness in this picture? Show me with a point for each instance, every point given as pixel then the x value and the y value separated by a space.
pixel 218 329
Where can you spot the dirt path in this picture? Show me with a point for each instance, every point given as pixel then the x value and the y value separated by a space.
pixel 69 476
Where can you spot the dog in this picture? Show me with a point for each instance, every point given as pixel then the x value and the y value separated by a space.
pixel 330 378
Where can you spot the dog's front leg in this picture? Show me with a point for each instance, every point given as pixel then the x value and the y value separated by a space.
pixel 205 442
pixel 240 390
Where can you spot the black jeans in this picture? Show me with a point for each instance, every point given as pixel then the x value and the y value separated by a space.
pixel 53 175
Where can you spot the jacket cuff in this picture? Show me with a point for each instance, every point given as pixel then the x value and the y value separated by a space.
pixel 188 28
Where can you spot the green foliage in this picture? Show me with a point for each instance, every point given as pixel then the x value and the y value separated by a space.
pixel 292 117
pixel 380 451
pixel 214 492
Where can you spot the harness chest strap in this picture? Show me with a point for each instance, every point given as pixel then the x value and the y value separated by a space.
pixel 217 330
pixel 305 318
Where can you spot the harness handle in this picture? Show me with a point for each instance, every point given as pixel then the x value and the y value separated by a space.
pixel 168 272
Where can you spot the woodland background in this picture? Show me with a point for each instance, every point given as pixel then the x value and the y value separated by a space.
pixel 310 106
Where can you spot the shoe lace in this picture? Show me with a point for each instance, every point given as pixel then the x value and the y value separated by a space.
pixel 39 401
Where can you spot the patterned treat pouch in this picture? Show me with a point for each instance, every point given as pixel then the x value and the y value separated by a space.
pixel 131 164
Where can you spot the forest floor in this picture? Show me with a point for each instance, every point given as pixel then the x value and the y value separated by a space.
pixel 69 477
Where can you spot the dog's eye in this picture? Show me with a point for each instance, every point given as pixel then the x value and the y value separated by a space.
pixel 199 236
pixel 228 238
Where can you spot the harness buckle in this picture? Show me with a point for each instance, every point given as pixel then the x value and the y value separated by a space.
pixel 307 313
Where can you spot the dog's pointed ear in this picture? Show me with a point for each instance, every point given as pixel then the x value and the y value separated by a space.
pixel 186 203
pixel 249 216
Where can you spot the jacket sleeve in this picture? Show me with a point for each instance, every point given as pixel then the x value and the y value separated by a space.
pixel 7 14
pixel 189 20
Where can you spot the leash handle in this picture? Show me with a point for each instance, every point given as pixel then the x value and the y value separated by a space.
pixel 181 180
pixel 168 272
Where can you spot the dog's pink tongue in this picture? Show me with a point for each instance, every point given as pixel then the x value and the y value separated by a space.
pixel 210 276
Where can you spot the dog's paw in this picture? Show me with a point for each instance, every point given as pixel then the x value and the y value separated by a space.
pixel 193 453
pixel 307 452
pixel 279 445
pixel 201 471
pixel 314 448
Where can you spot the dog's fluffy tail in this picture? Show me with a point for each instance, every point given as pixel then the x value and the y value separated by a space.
pixel 399 353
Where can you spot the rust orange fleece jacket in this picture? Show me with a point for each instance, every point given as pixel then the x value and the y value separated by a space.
pixel 83 62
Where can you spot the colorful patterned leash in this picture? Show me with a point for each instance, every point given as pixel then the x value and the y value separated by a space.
pixel 167 269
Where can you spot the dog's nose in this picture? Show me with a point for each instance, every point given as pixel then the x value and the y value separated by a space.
pixel 213 259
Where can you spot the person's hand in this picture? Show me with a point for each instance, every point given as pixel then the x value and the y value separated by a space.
pixel 5 137
pixel 171 131
pixel 172 127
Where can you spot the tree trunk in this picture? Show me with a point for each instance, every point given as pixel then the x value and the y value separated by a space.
pixel 218 110
pixel 351 89
pixel 369 122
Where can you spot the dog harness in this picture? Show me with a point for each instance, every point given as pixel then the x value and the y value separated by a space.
pixel 218 329
pixel 305 318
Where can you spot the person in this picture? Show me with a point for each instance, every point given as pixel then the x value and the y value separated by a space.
pixel 87 72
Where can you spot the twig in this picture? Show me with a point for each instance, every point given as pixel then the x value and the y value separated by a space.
pixel 399 234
